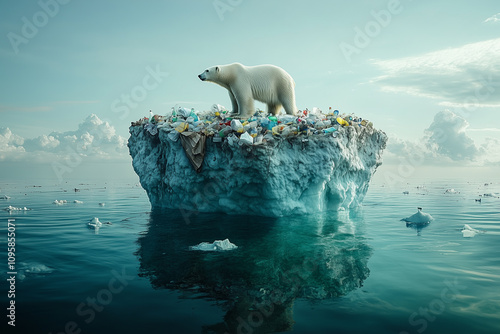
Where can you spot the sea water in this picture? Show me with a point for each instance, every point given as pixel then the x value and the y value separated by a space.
pixel 363 271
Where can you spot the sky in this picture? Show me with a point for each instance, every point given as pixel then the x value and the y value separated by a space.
pixel 75 73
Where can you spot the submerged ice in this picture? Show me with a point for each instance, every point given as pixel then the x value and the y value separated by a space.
pixel 295 168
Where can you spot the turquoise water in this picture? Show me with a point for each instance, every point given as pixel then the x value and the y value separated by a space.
pixel 357 272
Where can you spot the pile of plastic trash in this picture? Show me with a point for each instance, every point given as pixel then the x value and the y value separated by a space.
pixel 221 125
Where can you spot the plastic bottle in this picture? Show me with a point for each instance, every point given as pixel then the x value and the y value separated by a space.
pixel 264 123
pixel 174 115
pixel 193 114
pixel 336 113
pixel 330 130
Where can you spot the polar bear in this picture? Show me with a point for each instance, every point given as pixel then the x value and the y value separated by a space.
pixel 265 83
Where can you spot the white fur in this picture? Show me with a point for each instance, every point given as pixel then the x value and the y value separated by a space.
pixel 265 83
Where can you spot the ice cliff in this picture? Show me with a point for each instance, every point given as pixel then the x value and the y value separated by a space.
pixel 294 173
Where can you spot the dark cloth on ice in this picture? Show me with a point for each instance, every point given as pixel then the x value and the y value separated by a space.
pixel 194 146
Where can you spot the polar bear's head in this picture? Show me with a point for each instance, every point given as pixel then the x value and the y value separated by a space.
pixel 210 74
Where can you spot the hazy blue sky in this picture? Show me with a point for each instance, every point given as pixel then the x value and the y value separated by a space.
pixel 400 64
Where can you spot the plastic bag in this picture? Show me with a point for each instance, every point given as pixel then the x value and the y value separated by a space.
pixel 218 108
pixel 182 127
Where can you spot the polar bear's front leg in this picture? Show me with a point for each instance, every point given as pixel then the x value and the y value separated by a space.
pixel 244 98
pixel 273 109
pixel 234 103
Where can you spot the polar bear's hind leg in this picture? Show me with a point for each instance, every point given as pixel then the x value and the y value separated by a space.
pixel 273 109
pixel 289 103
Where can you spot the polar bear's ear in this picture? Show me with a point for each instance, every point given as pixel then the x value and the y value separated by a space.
pixel 217 69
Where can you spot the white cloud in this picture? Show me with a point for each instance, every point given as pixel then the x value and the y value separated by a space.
pixel 10 144
pixel 447 137
pixel 494 19
pixel 445 142
pixel 94 139
pixel 465 76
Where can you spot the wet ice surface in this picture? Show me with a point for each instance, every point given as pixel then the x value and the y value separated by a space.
pixel 348 272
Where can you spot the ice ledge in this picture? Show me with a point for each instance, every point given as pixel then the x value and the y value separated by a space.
pixel 297 175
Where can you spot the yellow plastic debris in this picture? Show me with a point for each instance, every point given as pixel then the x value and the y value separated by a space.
pixel 182 127
pixel 342 121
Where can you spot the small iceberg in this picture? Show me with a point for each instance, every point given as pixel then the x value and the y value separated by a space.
pixel 10 208
pixel 216 246
pixel 95 223
pixel 469 232
pixel 32 269
pixel 60 202
pixel 419 218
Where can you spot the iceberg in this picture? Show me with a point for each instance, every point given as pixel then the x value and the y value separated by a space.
pixel 32 269
pixel 95 223
pixel 469 232
pixel 419 218
pixel 279 166
pixel 11 208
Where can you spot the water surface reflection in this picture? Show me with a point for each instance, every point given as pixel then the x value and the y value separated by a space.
pixel 277 261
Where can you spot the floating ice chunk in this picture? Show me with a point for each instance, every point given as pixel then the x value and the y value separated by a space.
pixel 451 191
pixel 32 269
pixel 37 268
pixel 217 245
pixel 60 202
pixel 419 217
pixel 10 208
pixel 77 201
pixel 4 197
pixel 95 223
pixel 469 232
